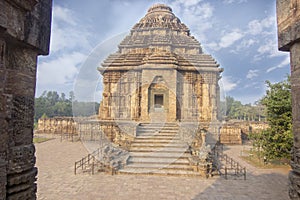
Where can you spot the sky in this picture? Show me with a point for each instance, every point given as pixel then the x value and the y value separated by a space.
pixel 240 34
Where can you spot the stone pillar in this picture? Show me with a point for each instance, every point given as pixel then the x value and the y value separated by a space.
pixel 294 175
pixel 288 21
pixel 24 34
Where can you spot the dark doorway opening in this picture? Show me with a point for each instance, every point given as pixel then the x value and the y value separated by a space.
pixel 158 100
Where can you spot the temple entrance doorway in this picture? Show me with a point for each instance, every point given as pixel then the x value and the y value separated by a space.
pixel 158 102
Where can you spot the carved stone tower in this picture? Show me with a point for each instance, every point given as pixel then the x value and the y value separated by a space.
pixel 160 72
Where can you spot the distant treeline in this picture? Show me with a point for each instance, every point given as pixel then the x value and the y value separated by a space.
pixel 51 104
pixel 233 109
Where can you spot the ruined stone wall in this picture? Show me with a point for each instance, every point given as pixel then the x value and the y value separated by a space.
pixel 248 127
pixel 57 125
pixel 236 132
pixel 288 21
pixel 24 34
pixel 257 126
pixel 120 133
pixel 231 134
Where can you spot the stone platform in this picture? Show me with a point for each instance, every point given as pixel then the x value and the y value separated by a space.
pixel 56 180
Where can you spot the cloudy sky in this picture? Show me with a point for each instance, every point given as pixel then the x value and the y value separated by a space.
pixel 240 34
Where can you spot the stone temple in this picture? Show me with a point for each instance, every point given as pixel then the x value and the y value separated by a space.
pixel 160 100
pixel 160 70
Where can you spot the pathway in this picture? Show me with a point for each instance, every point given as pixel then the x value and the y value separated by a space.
pixel 56 180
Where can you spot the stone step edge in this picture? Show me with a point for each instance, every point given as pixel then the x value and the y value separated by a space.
pixel 162 173
pixel 155 161
pixel 155 167
pixel 155 151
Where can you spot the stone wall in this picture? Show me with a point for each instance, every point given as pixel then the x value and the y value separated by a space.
pixel 118 132
pixel 57 125
pixel 236 132
pixel 24 34
pixel 231 134
pixel 288 21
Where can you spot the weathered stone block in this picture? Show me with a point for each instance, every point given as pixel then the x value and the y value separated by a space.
pixel 288 21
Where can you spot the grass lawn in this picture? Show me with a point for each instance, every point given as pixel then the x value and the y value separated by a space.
pixel 40 139
pixel 254 158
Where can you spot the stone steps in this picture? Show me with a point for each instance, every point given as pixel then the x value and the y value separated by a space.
pixel 159 166
pixel 158 160
pixel 159 145
pixel 157 137
pixel 141 132
pixel 151 140
pixel 149 150
pixel 161 172
pixel 161 155
pixel 158 152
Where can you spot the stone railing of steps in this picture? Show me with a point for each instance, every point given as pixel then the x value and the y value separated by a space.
pixel 157 149
pixel 108 159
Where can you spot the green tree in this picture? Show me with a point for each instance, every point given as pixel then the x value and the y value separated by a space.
pixel 51 104
pixel 276 141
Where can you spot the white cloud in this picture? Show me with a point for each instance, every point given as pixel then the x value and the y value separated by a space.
pixel 248 43
pixel 253 84
pixel 61 70
pixel 187 3
pixel 63 14
pixel 196 14
pixel 226 40
pixel 244 45
pixel 230 38
pixel 69 45
pixel 66 32
pixel 252 73
pixel 234 1
pixel 269 49
pixel 68 38
pixel 228 84
pixel 213 45
pixel 204 10
pixel 283 63
pixel 256 27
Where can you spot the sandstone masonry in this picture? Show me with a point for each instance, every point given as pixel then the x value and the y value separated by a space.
pixel 288 21
pixel 160 69
pixel 24 34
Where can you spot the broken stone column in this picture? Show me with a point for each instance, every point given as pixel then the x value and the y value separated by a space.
pixel 24 34
pixel 288 21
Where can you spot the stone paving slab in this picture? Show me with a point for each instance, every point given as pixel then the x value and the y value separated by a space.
pixel 56 180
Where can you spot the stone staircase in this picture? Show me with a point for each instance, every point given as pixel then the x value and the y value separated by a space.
pixel 157 149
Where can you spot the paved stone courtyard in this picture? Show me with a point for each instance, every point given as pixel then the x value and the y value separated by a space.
pixel 56 180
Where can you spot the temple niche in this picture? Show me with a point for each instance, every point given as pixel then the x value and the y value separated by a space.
pixel 160 72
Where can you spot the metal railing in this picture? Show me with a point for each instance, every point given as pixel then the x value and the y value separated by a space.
pixel 87 161
pixel 227 166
